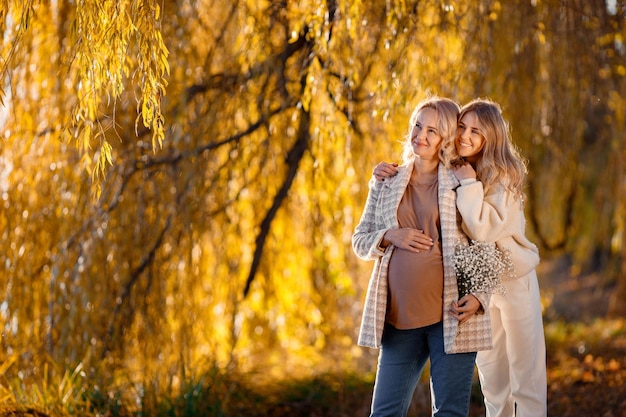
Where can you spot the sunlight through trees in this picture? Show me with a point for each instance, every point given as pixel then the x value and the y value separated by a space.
pixel 180 179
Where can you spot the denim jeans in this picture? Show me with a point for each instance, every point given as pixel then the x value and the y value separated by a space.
pixel 400 364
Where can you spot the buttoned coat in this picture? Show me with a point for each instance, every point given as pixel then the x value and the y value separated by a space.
pixel 379 216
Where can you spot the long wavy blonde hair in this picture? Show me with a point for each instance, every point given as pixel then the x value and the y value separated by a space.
pixel 447 112
pixel 500 161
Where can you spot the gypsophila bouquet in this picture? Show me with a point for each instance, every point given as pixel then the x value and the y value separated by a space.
pixel 480 267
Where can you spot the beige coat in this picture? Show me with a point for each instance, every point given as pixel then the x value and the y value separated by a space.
pixel 380 215
pixel 497 217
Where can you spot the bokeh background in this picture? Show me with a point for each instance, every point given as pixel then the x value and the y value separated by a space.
pixel 180 180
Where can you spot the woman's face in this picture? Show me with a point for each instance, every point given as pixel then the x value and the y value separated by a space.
pixel 470 139
pixel 425 137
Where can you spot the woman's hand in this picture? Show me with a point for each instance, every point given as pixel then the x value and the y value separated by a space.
pixel 465 308
pixel 462 172
pixel 410 239
pixel 385 170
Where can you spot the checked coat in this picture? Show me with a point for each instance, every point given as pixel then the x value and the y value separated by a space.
pixel 380 215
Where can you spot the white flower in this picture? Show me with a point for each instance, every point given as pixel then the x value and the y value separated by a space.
pixel 480 267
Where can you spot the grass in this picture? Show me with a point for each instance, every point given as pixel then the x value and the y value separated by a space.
pixel 586 375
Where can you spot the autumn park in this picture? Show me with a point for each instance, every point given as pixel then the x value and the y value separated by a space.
pixel 180 181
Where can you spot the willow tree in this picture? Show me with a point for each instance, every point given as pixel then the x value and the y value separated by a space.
pixel 230 147
pixel 558 69
pixel 225 234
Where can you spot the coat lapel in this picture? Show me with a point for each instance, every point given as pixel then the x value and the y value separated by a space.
pixel 394 191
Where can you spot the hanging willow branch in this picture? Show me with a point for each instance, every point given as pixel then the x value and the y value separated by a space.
pixel 117 41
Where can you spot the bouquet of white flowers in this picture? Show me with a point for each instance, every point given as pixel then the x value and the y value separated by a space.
pixel 480 267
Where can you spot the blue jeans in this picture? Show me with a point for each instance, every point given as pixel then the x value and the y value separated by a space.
pixel 400 364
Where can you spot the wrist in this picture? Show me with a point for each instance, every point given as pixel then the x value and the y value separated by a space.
pixel 467 181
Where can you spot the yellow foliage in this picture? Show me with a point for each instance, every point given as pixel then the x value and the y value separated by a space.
pixel 273 121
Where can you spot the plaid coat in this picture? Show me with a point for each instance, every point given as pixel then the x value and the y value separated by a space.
pixel 380 215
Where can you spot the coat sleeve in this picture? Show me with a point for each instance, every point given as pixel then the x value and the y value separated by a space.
pixel 484 299
pixel 369 233
pixel 485 217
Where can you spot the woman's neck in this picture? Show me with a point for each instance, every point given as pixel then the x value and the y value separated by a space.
pixel 473 160
pixel 426 167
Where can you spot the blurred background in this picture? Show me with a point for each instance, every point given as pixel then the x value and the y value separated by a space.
pixel 180 180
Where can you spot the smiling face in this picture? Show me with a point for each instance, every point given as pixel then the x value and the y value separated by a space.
pixel 425 137
pixel 470 139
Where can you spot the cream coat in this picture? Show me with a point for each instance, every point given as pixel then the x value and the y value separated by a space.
pixel 380 215
pixel 497 217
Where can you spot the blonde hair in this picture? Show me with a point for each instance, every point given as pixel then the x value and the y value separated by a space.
pixel 500 161
pixel 447 112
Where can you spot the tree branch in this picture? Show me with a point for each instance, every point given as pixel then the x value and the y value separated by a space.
pixel 134 276
pixel 293 162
